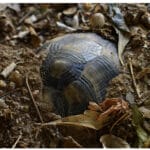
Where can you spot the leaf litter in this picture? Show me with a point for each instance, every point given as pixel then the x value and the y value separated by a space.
pixel 123 116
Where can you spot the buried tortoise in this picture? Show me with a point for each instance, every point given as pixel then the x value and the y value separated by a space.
pixel 77 70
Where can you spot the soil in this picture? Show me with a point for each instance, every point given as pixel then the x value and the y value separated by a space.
pixel 18 115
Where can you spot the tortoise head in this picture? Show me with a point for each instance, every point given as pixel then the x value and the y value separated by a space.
pixel 77 95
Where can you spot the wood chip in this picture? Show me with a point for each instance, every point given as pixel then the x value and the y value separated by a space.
pixel 133 79
pixel 8 70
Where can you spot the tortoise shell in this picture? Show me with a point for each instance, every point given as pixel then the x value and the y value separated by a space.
pixel 77 70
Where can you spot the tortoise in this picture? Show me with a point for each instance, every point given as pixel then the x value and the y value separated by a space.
pixel 76 70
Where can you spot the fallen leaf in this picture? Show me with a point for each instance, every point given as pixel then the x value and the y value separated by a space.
pixel 88 120
pixel 76 21
pixel 95 119
pixel 117 18
pixel 137 117
pixel 137 120
pixel 121 28
pixel 94 106
pixel 112 141
pixel 146 126
pixel 123 39
pixel 116 102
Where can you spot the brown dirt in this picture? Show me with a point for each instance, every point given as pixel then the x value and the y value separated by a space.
pixel 18 116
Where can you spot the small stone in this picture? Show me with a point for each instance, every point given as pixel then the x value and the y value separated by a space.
pixel 25 108
pixel 36 93
pixel 130 98
pixel 2 84
pixel 11 86
pixel 3 104
pixel 97 20
pixel 17 78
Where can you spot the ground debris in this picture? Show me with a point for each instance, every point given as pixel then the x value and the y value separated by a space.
pixel 126 108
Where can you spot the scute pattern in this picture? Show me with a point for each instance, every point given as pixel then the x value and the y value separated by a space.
pixel 89 62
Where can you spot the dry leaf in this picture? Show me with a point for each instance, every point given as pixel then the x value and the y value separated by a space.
pixel 117 103
pixel 121 29
pixel 117 18
pixel 93 119
pixel 76 21
pixel 112 141
pixel 123 39
pixel 137 120
pixel 88 120
pixel 94 106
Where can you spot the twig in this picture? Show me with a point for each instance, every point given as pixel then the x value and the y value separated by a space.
pixel 121 118
pixel 63 26
pixel 8 70
pixel 24 17
pixel 18 139
pixel 133 79
pixel 43 16
pixel 31 95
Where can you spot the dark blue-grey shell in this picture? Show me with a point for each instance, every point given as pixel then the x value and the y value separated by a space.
pixel 78 68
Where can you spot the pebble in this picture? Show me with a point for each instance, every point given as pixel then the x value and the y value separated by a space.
pixel 2 84
pixel 3 104
pixel 97 20
pixel 17 78
pixel 11 85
